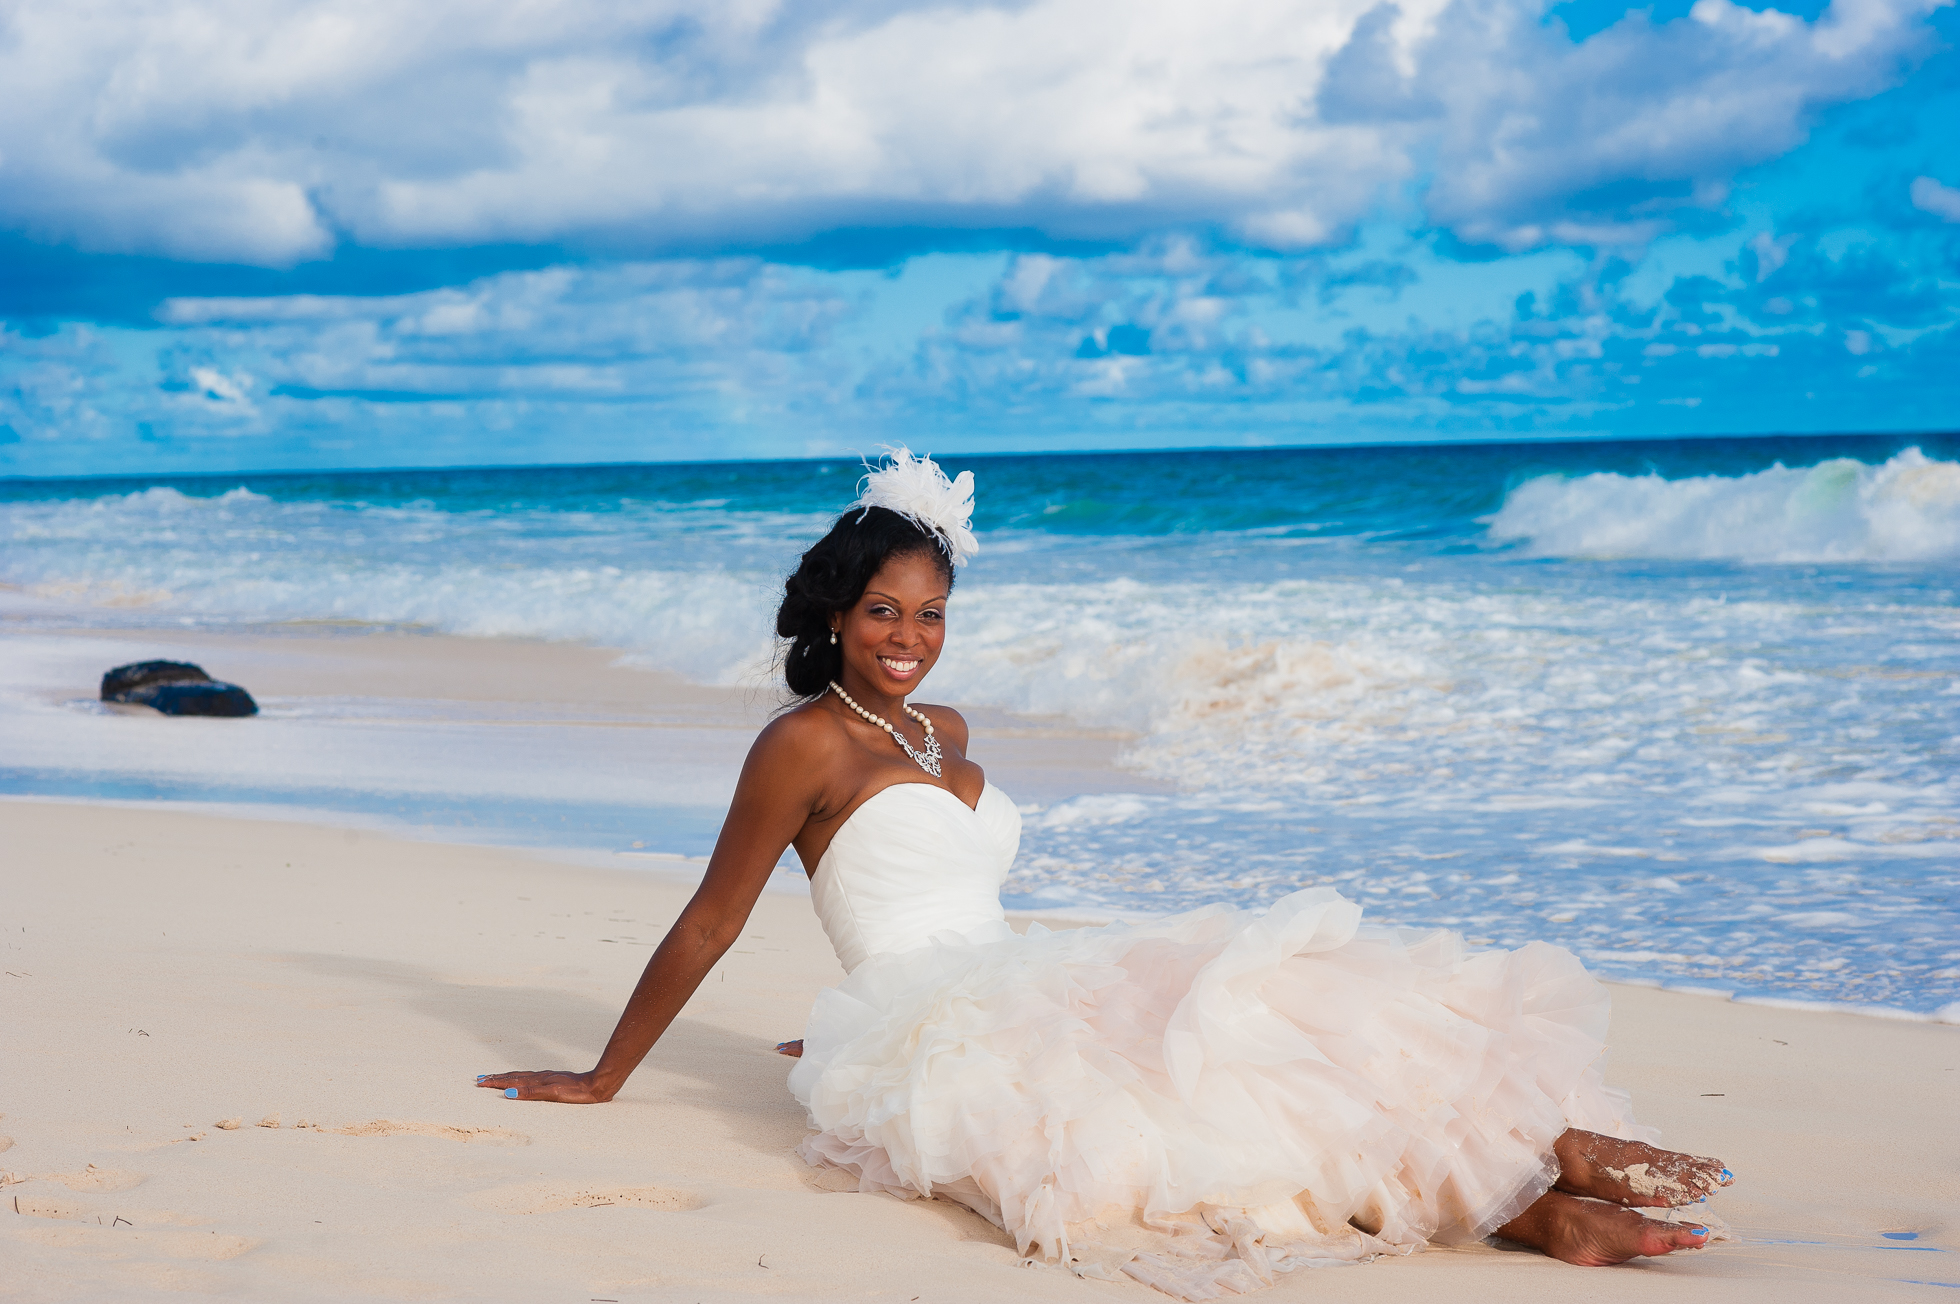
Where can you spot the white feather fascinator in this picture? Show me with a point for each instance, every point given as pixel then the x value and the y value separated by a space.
pixel 918 490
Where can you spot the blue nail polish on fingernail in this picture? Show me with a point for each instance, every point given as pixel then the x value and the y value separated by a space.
pixel 1727 1176
pixel 481 1076
pixel 510 1093
pixel 1699 1231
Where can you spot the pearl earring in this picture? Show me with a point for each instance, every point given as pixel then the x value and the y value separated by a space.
pixel 833 638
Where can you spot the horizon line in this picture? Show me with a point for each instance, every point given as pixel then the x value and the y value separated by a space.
pixel 1474 442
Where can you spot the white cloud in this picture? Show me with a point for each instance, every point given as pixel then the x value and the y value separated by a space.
pixel 215 385
pixel 1771 253
pixel 1552 143
pixel 267 130
pixel 1172 342
pixel 1934 198
pixel 677 327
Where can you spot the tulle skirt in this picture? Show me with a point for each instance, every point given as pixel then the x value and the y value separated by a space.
pixel 1215 1097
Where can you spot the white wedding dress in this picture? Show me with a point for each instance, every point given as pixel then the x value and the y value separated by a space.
pixel 1201 1101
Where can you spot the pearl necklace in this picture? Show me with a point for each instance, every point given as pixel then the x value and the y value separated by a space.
pixel 928 760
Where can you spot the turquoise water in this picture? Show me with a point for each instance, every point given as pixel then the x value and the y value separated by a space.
pixel 1691 708
pixel 1436 493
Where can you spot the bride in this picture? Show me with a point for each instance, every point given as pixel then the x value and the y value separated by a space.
pixel 1201 1101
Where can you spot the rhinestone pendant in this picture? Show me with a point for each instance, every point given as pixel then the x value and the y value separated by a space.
pixel 929 759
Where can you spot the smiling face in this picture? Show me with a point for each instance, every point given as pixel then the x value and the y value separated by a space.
pixel 892 637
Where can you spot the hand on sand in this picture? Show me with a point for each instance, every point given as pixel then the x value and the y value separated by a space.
pixel 547 1084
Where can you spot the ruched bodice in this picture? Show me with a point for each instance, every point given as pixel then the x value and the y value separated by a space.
pixel 912 862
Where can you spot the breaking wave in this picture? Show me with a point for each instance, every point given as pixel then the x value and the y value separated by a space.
pixel 1843 510
pixel 1733 774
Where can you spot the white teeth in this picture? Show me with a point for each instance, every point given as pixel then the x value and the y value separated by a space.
pixel 901 667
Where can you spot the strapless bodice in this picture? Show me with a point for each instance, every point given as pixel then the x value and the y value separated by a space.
pixel 911 862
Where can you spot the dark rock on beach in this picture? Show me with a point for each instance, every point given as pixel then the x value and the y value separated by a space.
pixel 142 674
pixel 175 688
pixel 213 698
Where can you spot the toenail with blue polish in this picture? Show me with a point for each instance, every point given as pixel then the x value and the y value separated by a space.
pixel 1698 1231
pixel 510 1093
pixel 1727 1176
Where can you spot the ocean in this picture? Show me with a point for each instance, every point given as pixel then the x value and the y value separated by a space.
pixel 1691 708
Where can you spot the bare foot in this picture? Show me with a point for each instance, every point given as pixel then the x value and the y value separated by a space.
pixel 1592 1234
pixel 793 1049
pixel 1633 1173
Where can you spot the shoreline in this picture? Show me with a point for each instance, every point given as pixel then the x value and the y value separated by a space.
pixel 790 879
pixel 185 969
pixel 500 741
pixel 573 750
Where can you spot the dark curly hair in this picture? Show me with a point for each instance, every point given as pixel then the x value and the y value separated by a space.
pixel 831 577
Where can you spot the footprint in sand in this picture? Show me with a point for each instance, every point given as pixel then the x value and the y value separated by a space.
pixel 379 1127
pixel 107 1235
pixel 124 1241
pixel 95 1179
pixel 126 1233
pixel 39 1206
pixel 554 1198
pixel 500 1136
pixel 831 1179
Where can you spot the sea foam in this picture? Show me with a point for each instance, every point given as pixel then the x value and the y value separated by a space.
pixel 1841 510
pixel 1687 765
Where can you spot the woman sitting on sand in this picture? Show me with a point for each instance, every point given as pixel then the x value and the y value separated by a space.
pixel 1202 1101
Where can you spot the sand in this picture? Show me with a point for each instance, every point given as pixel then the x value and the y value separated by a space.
pixel 335 992
pixel 236 1060
pixel 458 734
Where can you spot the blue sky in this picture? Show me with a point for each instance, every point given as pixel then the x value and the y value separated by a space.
pixel 263 234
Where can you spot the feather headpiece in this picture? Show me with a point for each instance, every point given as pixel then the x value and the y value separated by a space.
pixel 918 490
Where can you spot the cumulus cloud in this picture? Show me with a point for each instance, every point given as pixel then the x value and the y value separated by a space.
pixel 673 329
pixel 1932 197
pixel 215 385
pixel 270 131
pixel 1599 142
pixel 1822 335
pixel 1176 341
pixel 710 343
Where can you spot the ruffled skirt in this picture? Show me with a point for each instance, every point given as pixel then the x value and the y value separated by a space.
pixel 1215 1097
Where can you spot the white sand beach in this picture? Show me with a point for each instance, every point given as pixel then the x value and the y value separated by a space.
pixel 1425 513
pixel 334 991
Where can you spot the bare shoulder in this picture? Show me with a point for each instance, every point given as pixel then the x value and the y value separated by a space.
pixel 948 723
pixel 805 735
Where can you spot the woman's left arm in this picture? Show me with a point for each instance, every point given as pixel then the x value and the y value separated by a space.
pixel 778 789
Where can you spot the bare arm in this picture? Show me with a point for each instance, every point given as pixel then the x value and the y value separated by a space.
pixel 780 786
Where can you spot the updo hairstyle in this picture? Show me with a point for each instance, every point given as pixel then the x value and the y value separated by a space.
pixel 831 577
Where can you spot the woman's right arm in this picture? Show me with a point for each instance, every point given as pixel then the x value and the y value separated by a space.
pixel 781 785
